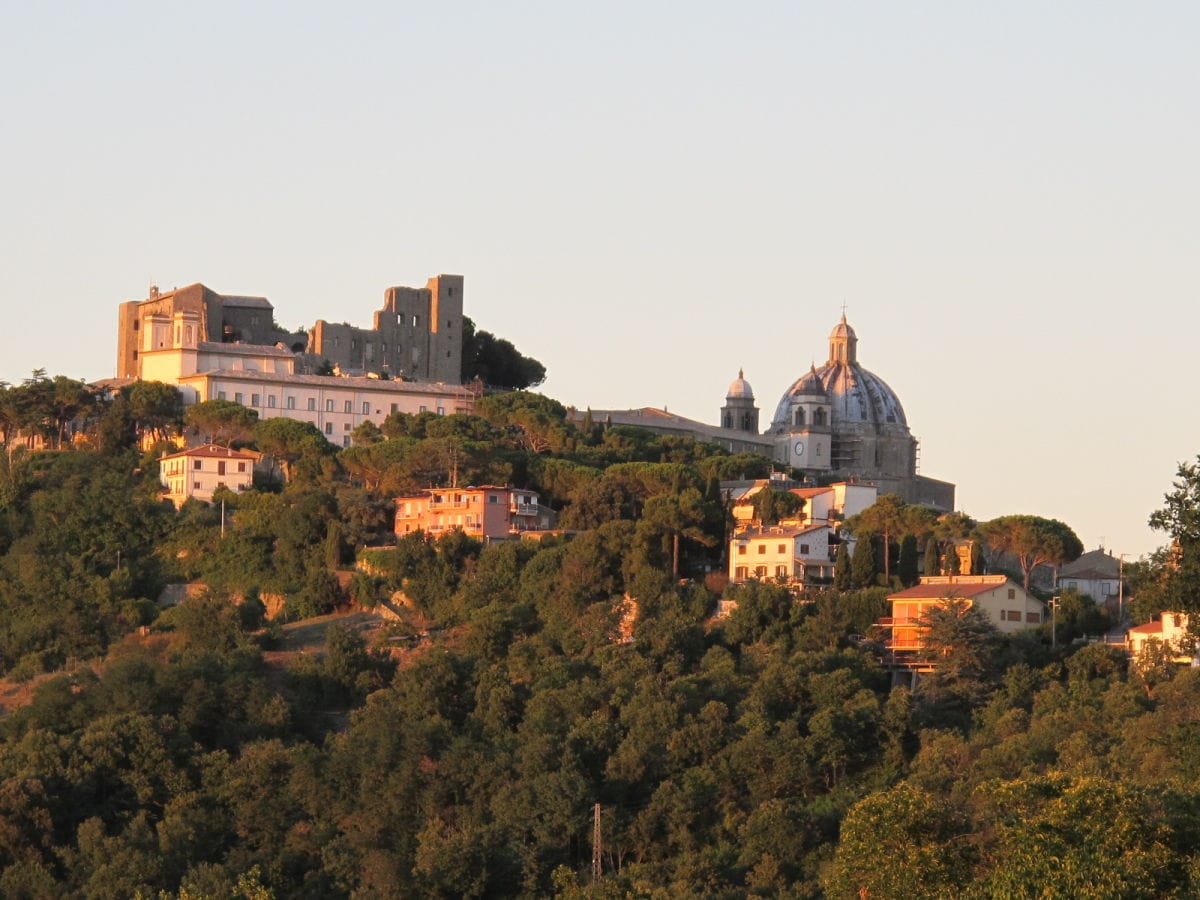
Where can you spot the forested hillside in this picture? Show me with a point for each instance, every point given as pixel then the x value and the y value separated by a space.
pixel 463 753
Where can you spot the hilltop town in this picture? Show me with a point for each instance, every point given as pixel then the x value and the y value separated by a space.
pixel 354 611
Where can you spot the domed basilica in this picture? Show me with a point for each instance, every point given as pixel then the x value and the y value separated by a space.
pixel 841 421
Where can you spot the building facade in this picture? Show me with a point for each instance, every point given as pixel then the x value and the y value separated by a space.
pixel 416 334
pixel 199 471
pixel 1005 603
pixel 1096 573
pixel 787 553
pixel 1170 629
pixel 488 512
pixel 263 378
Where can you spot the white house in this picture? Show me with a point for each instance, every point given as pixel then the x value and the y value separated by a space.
pixel 1096 573
pixel 199 471
pixel 837 502
pixel 786 553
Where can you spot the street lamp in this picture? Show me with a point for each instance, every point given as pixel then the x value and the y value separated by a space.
pixel 1054 621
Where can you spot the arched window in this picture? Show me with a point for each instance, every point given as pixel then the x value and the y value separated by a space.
pixel 799 423
pixel 728 420
pixel 819 417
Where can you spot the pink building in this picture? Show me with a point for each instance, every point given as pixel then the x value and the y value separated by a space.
pixel 489 512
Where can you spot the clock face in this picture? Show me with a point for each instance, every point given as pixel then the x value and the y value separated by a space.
pixel 799 448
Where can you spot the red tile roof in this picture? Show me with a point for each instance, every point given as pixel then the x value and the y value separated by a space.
pixel 945 591
pixel 1148 628
pixel 212 451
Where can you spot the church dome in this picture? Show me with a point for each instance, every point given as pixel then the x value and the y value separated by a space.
pixel 856 396
pixel 808 385
pixel 842 331
pixel 740 389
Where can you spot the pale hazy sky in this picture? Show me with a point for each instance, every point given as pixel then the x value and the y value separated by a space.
pixel 648 196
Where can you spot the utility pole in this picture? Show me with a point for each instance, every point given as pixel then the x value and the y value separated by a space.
pixel 1054 622
pixel 596 852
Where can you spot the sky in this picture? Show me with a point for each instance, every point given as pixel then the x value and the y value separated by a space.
pixel 649 196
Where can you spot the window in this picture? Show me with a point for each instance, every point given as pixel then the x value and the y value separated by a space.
pixel 760 571
pixel 781 572
pixel 345 442
pixel 804 549
pixel 195 485
pixel 395 407
pixel 441 410
pixel 220 395
pixel 328 406
pixel 1033 618
pixel 347 407
pixel 221 467
pixel 762 549
pixel 740 573
pixel 271 402
pixel 799 422
pixel 254 398
pixel 416 321
pixel 312 404
pixel 345 426
pixel 782 548
pixel 492 498
pixel 196 464
pixel 1012 593
pixel 241 467
pixel 238 397
pixel 366 407
pixel 424 409
pixel 329 428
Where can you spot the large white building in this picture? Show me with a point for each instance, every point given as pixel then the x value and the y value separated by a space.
pixel 263 378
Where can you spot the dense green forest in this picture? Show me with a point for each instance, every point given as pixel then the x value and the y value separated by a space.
pixel 462 750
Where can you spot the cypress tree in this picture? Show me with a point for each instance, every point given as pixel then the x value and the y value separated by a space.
pixel 907 567
pixel 842 579
pixel 862 563
pixel 933 563
pixel 977 563
pixel 953 563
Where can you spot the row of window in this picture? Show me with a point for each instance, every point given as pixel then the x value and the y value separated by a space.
pixel 1014 615
pixel 330 405
pixel 176 466
pixel 762 549
pixel 741 573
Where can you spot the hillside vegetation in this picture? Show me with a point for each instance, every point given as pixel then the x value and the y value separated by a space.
pixel 766 754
